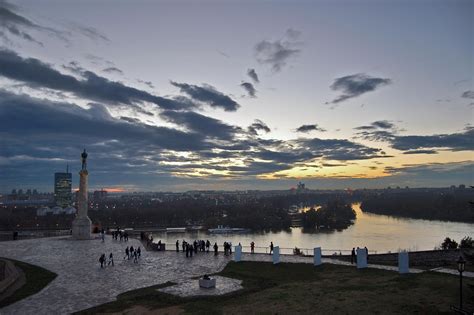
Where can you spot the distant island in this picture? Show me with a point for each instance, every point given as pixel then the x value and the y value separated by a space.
pixel 335 214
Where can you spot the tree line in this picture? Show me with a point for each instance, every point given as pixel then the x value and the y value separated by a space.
pixel 444 205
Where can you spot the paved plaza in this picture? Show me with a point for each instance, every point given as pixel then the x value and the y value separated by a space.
pixel 81 283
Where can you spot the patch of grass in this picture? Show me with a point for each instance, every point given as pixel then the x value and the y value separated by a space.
pixel 36 279
pixel 303 288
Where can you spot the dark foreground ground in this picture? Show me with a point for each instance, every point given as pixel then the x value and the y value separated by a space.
pixel 290 288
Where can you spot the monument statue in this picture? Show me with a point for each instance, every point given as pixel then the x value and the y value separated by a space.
pixel 81 226
pixel 84 160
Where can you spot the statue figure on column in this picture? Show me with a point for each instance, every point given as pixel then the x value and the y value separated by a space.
pixel 84 160
pixel 81 226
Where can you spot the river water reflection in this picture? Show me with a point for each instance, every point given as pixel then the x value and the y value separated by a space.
pixel 379 233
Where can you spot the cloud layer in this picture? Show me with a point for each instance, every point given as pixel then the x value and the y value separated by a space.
pixel 249 88
pixel 355 85
pixel 277 53
pixel 309 128
pixel 208 94
pixel 37 74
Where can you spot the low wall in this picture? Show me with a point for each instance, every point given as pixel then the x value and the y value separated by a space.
pixel 430 259
pixel 11 275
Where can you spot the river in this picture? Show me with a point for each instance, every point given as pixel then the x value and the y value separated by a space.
pixel 380 233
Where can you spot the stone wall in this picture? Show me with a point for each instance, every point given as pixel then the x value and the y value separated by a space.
pixel 429 259
pixel 11 275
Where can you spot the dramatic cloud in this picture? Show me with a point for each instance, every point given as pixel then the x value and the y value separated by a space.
pixel 258 125
pixel 277 53
pixel 209 95
pixel 207 126
pixel 455 142
pixel 421 152
pixel 383 124
pixel 309 128
pixel 355 85
pixel 253 75
pixel 61 124
pixel 247 86
pixel 333 164
pixel 12 22
pixel 113 70
pixel 414 144
pixel 468 94
pixel 380 124
pixel 339 149
pixel 34 73
pixel 17 25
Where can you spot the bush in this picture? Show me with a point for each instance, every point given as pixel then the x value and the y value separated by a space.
pixel 449 244
pixel 466 242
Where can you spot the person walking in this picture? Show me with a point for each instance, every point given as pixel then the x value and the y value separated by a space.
pixel 177 246
pixel 135 257
pixel 366 253
pixel 208 244
pixel 111 259
pixel 271 248
pixel 215 249
pixel 353 255
pixel 139 252
pixel 252 247
pixel 102 260
pixel 127 253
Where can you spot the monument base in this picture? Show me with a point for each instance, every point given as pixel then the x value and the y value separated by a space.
pixel 81 228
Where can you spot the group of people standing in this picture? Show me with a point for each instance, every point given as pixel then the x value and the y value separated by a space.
pixel 193 247
pixel 119 235
pixel 131 252
pixel 354 254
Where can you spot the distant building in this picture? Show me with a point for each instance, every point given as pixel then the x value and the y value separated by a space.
pixel 301 187
pixel 100 195
pixel 62 189
pixel 44 211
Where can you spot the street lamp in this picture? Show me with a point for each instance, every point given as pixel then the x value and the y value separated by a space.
pixel 461 266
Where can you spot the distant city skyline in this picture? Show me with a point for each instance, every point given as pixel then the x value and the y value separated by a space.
pixel 236 95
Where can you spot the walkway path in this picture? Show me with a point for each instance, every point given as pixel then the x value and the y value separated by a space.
pixel 81 283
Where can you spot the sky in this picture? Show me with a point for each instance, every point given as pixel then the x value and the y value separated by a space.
pixel 185 95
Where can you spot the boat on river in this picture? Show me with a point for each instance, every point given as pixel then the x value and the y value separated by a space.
pixel 227 230
pixel 176 230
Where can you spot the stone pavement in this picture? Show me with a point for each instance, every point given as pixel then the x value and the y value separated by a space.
pixel 81 283
pixel 191 287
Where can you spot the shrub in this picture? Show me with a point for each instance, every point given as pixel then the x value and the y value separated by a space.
pixel 449 244
pixel 466 242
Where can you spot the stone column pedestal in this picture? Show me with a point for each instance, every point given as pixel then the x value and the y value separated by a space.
pixel 81 226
